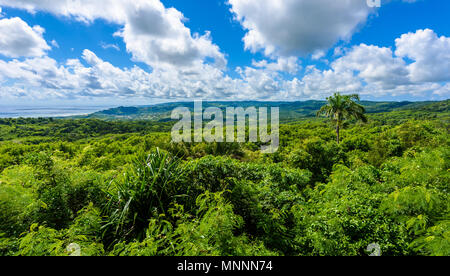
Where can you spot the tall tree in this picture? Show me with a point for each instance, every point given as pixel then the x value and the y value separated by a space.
pixel 341 108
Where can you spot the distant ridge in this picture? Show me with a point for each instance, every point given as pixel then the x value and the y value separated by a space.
pixel 288 110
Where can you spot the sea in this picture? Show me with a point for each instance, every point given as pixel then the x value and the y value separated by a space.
pixel 47 112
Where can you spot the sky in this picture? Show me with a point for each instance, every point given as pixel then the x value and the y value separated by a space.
pixel 139 52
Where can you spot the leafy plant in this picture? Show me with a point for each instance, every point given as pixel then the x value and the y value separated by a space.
pixel 145 191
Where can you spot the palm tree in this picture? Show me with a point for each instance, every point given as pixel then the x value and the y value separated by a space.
pixel 342 107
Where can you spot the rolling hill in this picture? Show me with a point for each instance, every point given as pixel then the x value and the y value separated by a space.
pixel 289 111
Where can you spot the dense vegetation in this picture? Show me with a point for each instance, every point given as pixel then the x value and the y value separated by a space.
pixel 122 188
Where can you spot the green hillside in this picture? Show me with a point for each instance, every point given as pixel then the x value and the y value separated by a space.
pixel 288 110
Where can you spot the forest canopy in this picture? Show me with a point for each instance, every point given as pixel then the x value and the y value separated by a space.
pixel 122 188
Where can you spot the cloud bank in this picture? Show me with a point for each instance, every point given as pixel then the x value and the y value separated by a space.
pixel 180 60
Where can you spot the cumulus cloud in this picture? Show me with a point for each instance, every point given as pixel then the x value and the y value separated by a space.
pixel 152 33
pixel 157 36
pixel 374 64
pixel 181 60
pixel 318 55
pixel 419 57
pixel 443 91
pixel 260 84
pixel 297 27
pixel 18 39
pixel 316 83
pixel 184 64
pixel 420 62
pixel 82 10
pixel 366 69
pixel 290 65
pixel 101 79
pixel 430 53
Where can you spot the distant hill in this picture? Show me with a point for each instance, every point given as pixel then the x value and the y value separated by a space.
pixel 288 110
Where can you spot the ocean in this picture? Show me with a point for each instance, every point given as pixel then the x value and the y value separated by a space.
pixel 40 111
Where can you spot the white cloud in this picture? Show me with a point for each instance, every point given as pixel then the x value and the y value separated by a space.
pixel 317 84
pixel 430 53
pixel 260 83
pixel 157 36
pixel 369 70
pixel 318 55
pixel 338 51
pixel 443 91
pixel 375 65
pixel 17 39
pixel 153 34
pixel 181 61
pixel 297 27
pixel 289 65
pixel 102 79
pixel 82 10
pixel 379 71
pixel 54 43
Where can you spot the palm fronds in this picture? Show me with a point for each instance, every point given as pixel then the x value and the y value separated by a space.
pixel 341 108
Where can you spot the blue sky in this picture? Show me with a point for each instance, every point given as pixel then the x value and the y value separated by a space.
pixel 146 51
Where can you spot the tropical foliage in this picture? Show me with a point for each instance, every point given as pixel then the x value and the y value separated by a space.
pixel 341 108
pixel 91 187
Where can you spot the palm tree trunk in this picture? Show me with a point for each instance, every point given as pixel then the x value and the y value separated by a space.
pixel 337 133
